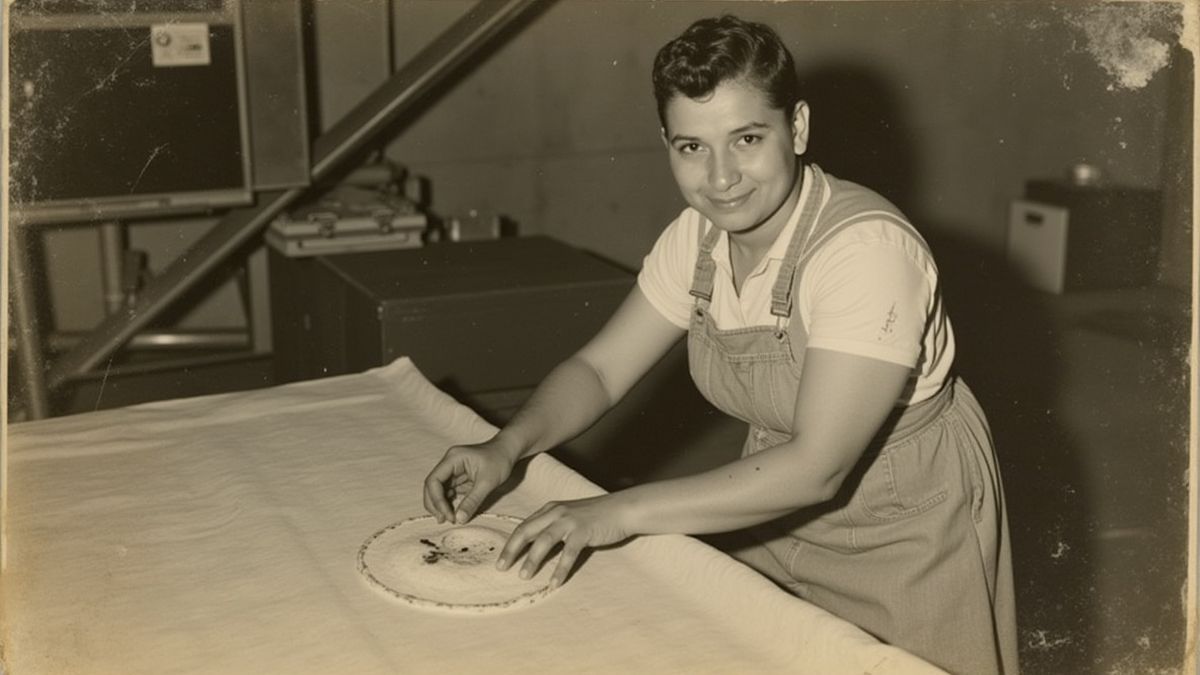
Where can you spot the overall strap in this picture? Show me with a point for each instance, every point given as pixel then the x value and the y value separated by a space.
pixel 831 232
pixel 781 292
pixel 706 267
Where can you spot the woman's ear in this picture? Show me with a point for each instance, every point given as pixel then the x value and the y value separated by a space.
pixel 800 128
pixel 662 133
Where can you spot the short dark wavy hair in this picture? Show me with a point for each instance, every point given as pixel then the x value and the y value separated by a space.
pixel 714 50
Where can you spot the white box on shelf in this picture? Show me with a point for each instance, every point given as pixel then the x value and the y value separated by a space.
pixel 1037 244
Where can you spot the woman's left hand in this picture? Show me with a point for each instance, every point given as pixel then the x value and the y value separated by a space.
pixel 578 524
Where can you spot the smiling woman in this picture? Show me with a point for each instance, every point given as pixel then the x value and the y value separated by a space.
pixel 736 159
pixel 868 484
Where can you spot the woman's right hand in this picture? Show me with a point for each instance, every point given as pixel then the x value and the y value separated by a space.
pixel 468 473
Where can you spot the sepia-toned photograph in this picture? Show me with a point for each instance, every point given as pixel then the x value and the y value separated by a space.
pixel 598 336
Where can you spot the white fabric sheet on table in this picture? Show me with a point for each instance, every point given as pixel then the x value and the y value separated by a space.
pixel 218 535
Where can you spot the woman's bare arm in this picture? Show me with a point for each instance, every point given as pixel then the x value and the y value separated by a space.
pixel 842 402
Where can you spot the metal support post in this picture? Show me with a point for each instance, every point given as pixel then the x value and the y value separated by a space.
pixel 30 350
pixel 112 261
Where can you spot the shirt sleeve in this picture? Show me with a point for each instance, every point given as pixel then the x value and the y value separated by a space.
pixel 666 275
pixel 870 297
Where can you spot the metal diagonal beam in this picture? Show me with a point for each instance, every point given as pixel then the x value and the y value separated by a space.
pixel 425 70
pixel 396 96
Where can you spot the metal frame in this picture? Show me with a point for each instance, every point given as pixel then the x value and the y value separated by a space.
pixel 397 95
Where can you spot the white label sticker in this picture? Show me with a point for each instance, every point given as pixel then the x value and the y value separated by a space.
pixel 180 44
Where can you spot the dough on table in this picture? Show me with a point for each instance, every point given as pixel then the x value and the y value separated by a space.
pixel 450 567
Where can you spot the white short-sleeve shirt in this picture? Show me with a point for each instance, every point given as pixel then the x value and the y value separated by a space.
pixel 870 290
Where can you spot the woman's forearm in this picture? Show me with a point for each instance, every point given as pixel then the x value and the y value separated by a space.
pixel 842 402
pixel 746 492
pixel 566 403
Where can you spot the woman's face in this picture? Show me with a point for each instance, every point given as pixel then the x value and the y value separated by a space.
pixel 734 156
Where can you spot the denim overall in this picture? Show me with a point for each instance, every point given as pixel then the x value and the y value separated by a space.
pixel 914 549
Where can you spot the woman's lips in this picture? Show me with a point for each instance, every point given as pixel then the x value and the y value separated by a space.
pixel 730 203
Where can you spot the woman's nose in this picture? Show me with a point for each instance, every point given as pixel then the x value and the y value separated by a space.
pixel 723 172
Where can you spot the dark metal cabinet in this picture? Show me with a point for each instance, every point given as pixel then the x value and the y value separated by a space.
pixel 478 319
pixel 1114 233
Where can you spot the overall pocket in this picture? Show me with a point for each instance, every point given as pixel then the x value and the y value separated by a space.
pixel 905 479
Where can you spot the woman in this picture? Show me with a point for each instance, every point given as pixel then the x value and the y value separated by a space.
pixel 868 483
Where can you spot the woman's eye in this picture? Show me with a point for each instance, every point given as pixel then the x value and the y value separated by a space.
pixel 749 139
pixel 689 148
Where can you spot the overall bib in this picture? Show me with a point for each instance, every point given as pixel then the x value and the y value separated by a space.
pixel 914 549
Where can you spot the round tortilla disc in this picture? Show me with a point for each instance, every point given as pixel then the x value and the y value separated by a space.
pixel 450 567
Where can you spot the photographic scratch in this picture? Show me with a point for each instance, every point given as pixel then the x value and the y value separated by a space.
pixel 145 166
pixel 103 380
pixel 1045 640
pixel 1061 550
pixel 1130 41
pixel 112 75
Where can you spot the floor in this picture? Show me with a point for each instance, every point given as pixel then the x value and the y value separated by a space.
pixel 1088 402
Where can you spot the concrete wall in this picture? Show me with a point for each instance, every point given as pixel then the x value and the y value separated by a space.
pixel 945 107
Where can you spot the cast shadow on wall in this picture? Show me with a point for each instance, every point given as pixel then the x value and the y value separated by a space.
pixel 857 132
pixel 1007 351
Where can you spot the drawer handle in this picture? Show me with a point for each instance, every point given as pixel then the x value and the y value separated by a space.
pixel 1034 218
